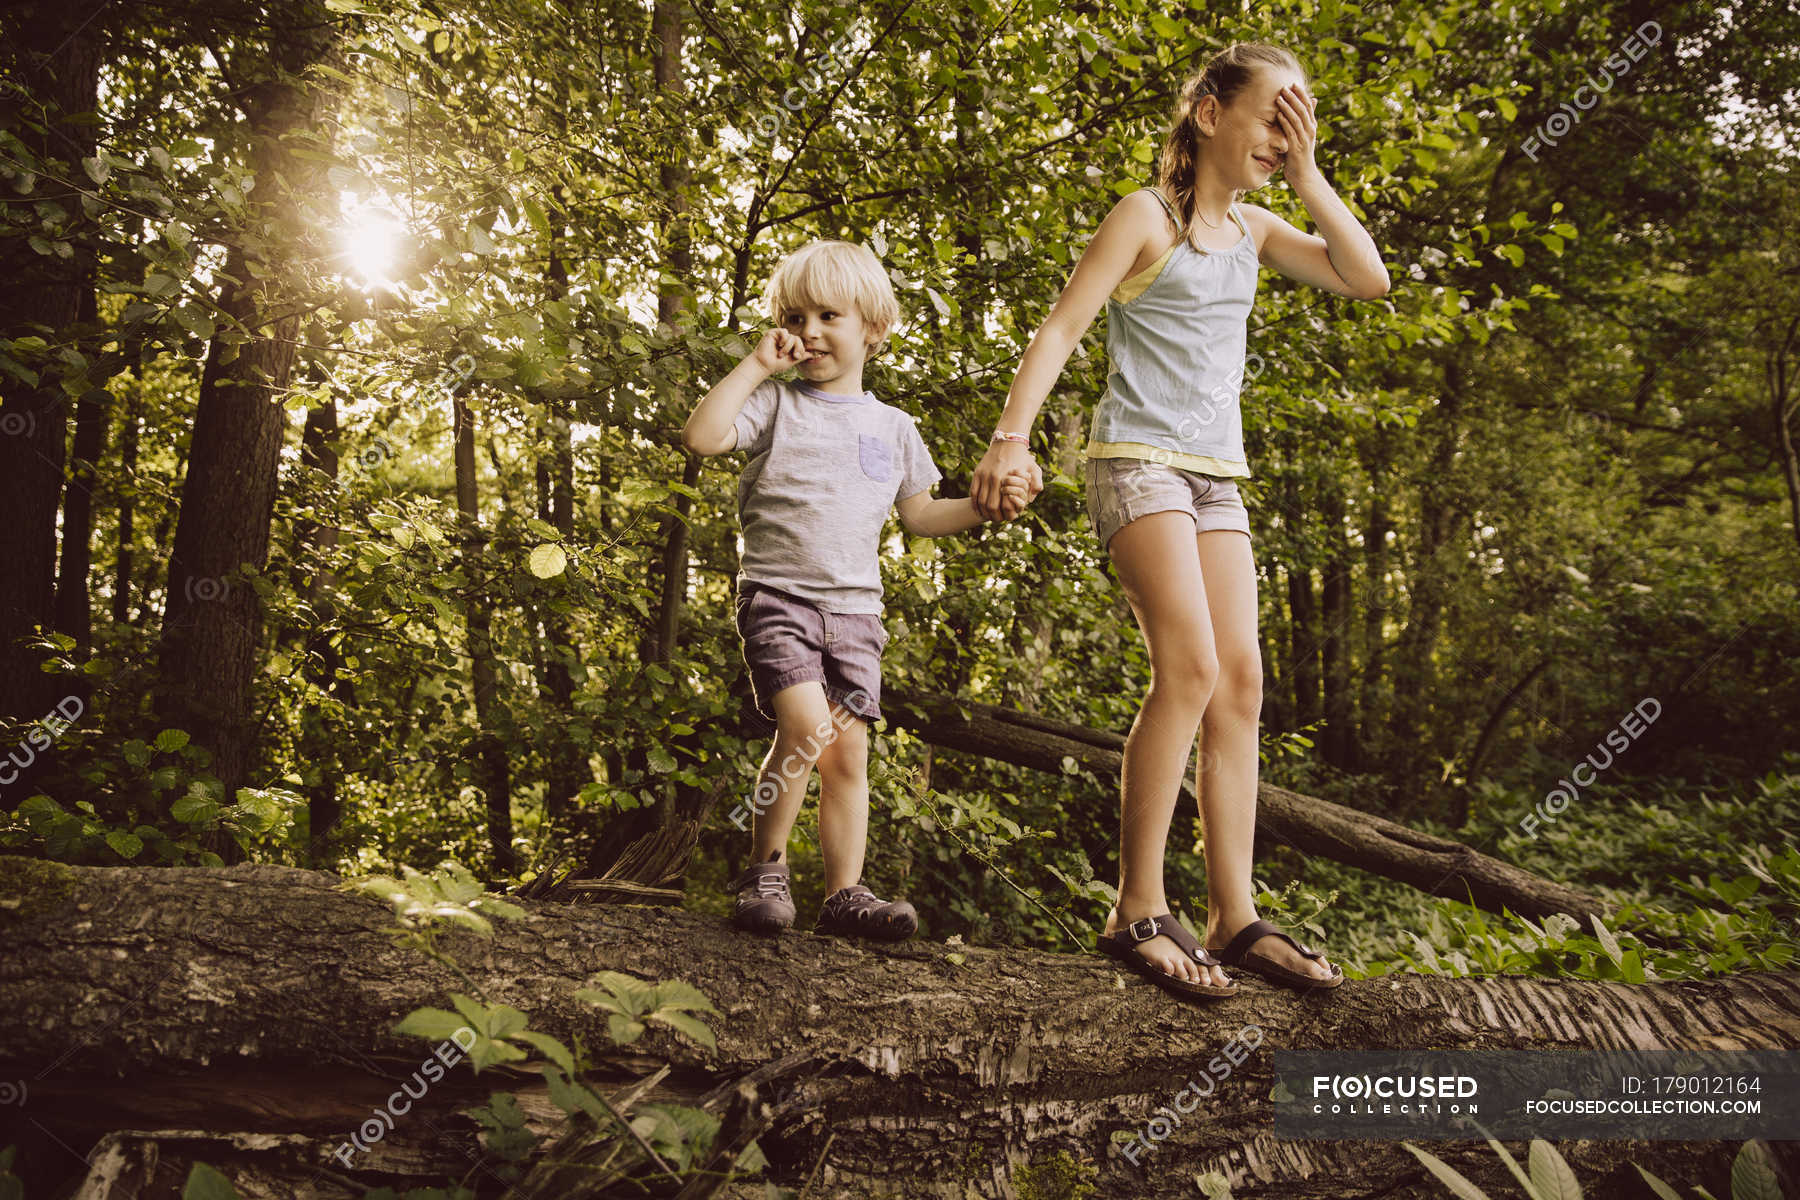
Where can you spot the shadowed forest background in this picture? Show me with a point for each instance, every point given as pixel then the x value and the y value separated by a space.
pixel 345 348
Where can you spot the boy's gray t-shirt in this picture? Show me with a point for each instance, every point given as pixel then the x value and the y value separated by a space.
pixel 824 470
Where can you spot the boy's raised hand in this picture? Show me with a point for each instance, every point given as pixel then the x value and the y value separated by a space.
pixel 778 350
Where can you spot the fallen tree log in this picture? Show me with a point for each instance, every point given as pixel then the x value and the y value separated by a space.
pixel 245 1017
pixel 1438 866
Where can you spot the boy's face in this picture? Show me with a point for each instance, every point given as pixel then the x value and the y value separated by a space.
pixel 837 339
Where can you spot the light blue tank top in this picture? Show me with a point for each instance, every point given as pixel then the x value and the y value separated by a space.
pixel 1175 355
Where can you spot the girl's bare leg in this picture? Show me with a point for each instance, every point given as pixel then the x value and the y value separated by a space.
pixel 1227 756
pixel 1160 572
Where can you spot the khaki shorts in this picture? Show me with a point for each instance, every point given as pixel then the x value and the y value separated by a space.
pixel 1120 490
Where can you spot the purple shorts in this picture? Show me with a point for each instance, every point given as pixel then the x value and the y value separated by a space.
pixel 788 640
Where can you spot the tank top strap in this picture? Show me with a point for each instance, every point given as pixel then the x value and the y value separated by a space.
pixel 1238 217
pixel 1167 206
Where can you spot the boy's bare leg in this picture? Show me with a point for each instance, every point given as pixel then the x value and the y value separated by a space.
pixel 844 800
pixel 800 711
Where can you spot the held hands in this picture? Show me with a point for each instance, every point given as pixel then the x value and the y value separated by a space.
pixel 1006 480
pixel 1015 494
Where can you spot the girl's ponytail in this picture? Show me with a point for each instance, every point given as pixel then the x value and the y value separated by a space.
pixel 1223 77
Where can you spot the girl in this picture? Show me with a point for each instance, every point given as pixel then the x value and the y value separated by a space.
pixel 1176 267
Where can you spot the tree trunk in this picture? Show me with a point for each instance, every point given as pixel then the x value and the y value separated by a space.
pixel 51 53
pixel 128 453
pixel 314 543
pixel 144 999
pixel 1428 583
pixel 212 626
pixel 1303 644
pixel 1372 739
pixel 1782 412
pixel 488 765
pixel 1435 865
pixel 73 603
pixel 566 767
pixel 1338 746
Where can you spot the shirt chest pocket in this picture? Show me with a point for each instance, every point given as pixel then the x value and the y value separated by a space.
pixel 876 457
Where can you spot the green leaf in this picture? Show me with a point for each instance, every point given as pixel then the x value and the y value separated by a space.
pixel 488 1052
pixel 195 808
pixel 693 1027
pixel 1447 1175
pixel 661 761
pixel 1753 1174
pixel 204 1183
pixel 552 1049
pixel 604 1001
pixel 125 845
pixel 1663 1191
pixel 195 321
pixel 623 1029
pixel 548 561
pixel 432 1023
pixel 1551 1175
pixel 1608 942
pixel 678 994
pixel 171 740
pixel 505 1021
pixel 474 1010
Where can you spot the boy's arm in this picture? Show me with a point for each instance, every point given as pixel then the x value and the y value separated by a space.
pixel 924 516
pixel 711 429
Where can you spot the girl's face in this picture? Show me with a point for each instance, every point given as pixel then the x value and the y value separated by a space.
pixel 1248 143
pixel 837 340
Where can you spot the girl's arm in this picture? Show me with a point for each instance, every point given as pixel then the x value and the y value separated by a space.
pixel 1103 266
pixel 711 429
pixel 1345 259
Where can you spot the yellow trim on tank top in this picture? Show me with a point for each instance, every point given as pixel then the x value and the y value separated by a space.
pixel 1205 464
pixel 1132 288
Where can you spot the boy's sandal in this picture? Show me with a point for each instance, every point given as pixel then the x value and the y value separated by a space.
pixel 1123 946
pixel 1237 954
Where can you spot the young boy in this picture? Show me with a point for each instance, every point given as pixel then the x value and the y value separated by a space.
pixel 827 462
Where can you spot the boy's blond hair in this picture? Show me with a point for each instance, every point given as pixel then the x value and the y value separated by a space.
pixel 834 275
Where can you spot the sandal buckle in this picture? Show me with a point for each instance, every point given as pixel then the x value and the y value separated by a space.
pixel 1143 937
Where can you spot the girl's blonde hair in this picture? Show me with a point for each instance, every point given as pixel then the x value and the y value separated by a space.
pixel 834 275
pixel 1225 76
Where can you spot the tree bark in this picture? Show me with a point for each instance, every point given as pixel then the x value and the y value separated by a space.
pixel 165 999
pixel 51 54
pixel 1338 745
pixel 212 626
pixel 1303 644
pixel 1435 865
pixel 73 603
pixel 127 493
pixel 566 767
pixel 489 765
pixel 314 543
